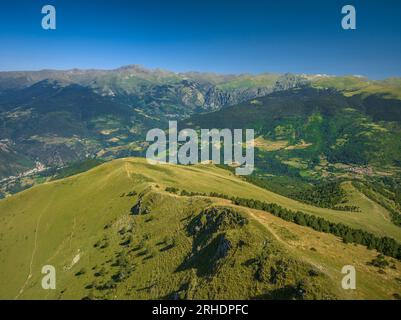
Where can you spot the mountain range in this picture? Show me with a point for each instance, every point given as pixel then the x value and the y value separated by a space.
pixel 57 117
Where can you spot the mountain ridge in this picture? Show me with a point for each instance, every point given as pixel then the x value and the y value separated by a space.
pixel 106 249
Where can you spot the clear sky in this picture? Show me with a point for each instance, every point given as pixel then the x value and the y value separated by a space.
pixel 235 36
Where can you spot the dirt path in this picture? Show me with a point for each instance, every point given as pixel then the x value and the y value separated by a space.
pixel 35 247
pixel 127 171
pixel 72 231
pixel 265 223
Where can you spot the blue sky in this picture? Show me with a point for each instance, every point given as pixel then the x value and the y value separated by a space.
pixel 234 36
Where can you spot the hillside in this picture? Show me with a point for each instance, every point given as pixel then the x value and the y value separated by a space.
pixel 114 232
pixel 357 85
pixel 309 137
pixel 312 122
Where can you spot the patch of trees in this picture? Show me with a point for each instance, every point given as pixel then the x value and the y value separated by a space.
pixel 397 196
pixel 347 208
pixel 18 187
pixel 379 262
pixel 284 185
pixel 326 195
pixel 352 152
pixel 77 167
pixel 384 245
pixel 267 162
pixel 172 190
pixel 131 194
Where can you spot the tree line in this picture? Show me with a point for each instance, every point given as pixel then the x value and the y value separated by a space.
pixel 384 245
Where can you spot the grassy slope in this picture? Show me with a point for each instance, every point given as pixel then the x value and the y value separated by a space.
pixel 329 254
pixel 249 82
pixel 221 181
pixel 59 222
pixel 352 85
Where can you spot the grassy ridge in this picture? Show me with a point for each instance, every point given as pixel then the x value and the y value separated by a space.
pixel 84 226
pixel 385 245
pixel 372 218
